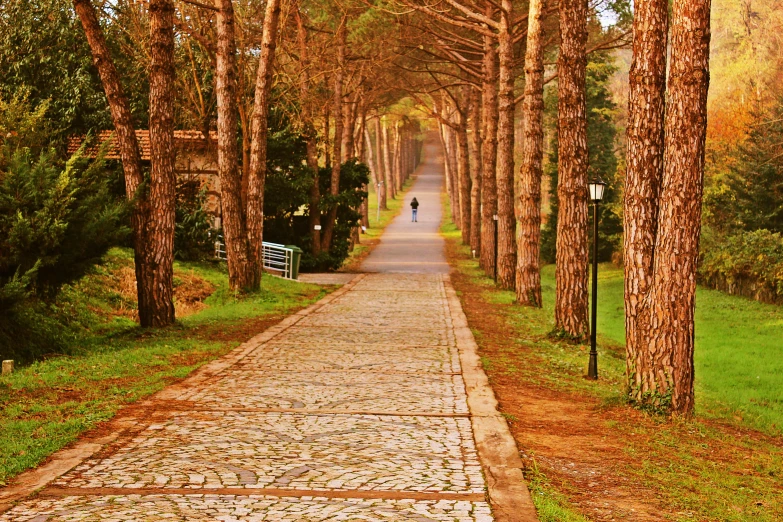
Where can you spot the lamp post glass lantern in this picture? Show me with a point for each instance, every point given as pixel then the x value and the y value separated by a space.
pixel 596 188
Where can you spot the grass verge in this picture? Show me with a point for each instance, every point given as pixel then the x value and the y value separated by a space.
pixel 590 456
pixel 111 362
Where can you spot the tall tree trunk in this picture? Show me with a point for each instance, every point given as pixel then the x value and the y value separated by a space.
pixel 145 250
pixel 645 136
pixel 572 258
pixel 489 131
pixel 160 290
pixel 240 271
pixel 507 248
pixel 446 168
pixel 453 173
pixel 528 283
pixel 387 166
pixel 463 176
pixel 314 219
pixel 380 172
pixel 260 133
pixel 673 296
pixel 475 170
pixel 361 154
pixel 337 153
pixel 398 157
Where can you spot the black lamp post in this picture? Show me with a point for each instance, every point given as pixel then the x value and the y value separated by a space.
pixel 597 188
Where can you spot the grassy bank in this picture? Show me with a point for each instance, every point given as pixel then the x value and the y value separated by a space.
pixel 589 455
pixel 110 362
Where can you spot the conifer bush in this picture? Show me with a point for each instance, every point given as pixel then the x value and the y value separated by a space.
pixel 57 219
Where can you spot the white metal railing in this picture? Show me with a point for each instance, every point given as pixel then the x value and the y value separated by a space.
pixel 277 257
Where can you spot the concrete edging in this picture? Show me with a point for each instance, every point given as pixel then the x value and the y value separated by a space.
pixel 497 449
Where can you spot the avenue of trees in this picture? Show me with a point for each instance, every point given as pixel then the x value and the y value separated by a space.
pixel 313 100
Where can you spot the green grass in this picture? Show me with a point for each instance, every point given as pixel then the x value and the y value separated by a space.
pixel 738 354
pixel 111 363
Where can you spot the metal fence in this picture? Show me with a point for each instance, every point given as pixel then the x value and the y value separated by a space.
pixel 277 258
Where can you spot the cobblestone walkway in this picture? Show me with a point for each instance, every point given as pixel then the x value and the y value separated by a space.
pixel 358 408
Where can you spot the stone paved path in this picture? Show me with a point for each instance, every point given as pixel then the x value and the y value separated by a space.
pixel 369 405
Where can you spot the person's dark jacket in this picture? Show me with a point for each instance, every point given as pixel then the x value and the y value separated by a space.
pixel 414 203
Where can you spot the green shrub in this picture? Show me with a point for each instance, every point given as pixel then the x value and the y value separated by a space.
pixel 57 219
pixel 744 263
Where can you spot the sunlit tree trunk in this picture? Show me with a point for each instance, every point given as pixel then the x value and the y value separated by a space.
pixel 673 296
pixel 463 175
pixel 363 157
pixel 645 138
pixel 388 169
pixel 397 157
pixel 489 133
pixel 572 259
pixel 337 152
pixel 507 248
pixel 152 312
pixel 453 174
pixel 475 170
pixel 160 292
pixel 528 282
pixel 240 271
pixel 380 172
pixel 256 175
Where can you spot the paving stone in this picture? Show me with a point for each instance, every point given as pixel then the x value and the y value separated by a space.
pixel 356 357
pixel 301 451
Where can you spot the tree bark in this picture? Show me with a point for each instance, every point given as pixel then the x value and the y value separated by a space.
pixel 397 157
pixel 151 311
pixel 337 153
pixel 475 170
pixel 240 271
pixel 528 282
pixel 463 175
pixel 645 136
pixel 380 172
pixel 160 292
pixel 260 132
pixel 489 131
pixel 507 249
pixel 453 174
pixel 673 296
pixel 572 258
pixel 314 218
pixel 387 164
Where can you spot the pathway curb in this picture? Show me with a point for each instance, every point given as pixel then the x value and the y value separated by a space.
pixel 506 488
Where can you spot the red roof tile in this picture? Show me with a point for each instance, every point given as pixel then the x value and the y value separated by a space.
pixel 183 140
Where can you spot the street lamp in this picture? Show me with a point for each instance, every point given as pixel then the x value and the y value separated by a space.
pixel 596 187
pixel 495 220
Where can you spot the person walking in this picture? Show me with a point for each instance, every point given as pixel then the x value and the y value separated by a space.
pixel 415 207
